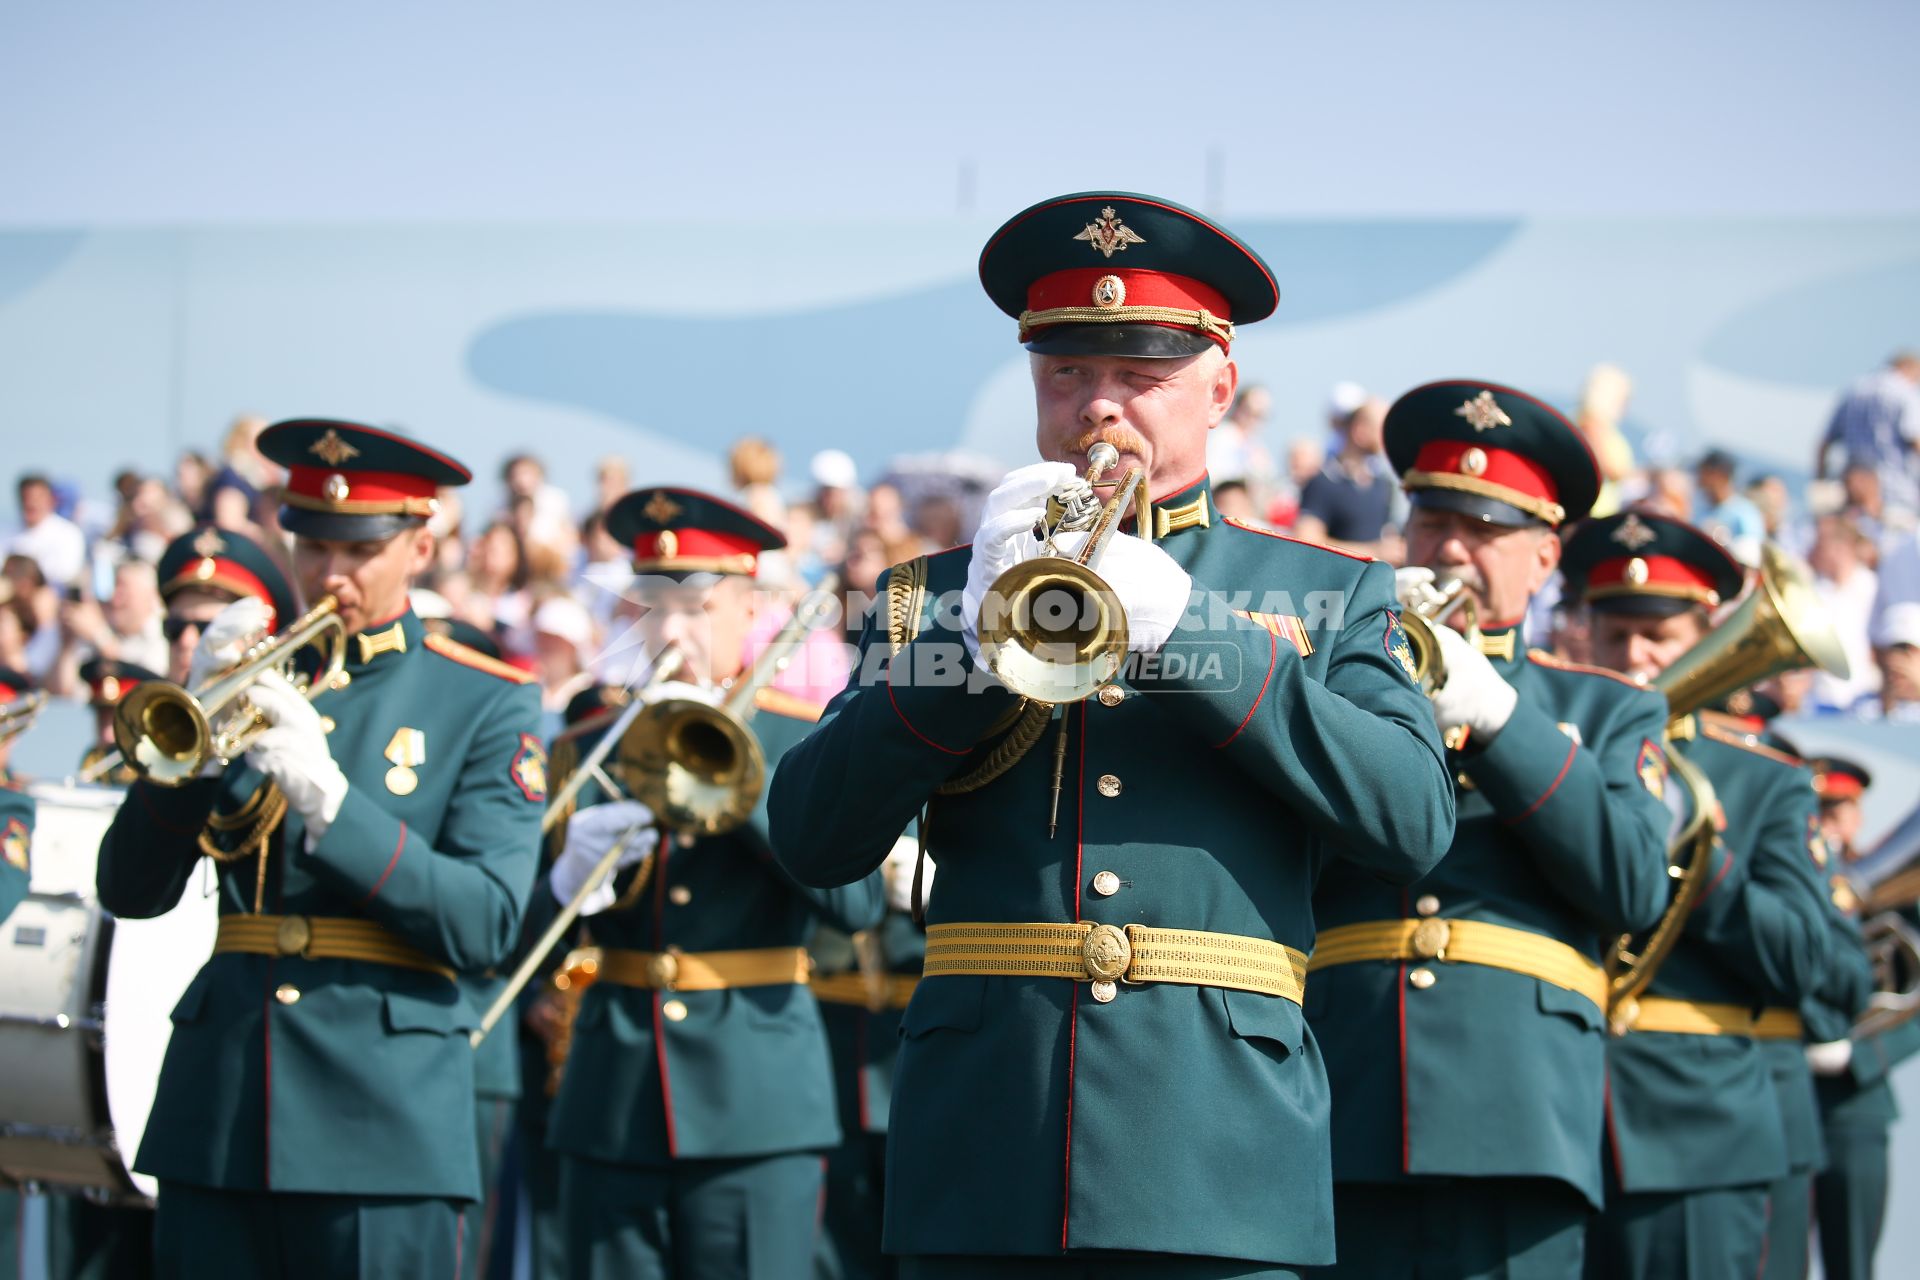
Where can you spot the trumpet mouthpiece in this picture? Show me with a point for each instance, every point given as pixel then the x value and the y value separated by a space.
pixel 1102 456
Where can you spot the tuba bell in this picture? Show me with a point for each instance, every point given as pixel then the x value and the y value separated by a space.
pixel 167 733
pixel 1051 628
pixel 1779 625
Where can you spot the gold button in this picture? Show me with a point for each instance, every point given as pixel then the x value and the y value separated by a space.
pixel 342 680
pixel 1426 904
pixel 286 993
pixel 292 937
pixel 1112 695
pixel 1430 938
pixel 326 724
pixel 1421 978
pixel 673 1011
pixel 1109 785
pixel 1106 884
pixel 679 895
pixel 1104 991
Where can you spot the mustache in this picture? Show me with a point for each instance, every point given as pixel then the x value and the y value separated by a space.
pixel 1125 439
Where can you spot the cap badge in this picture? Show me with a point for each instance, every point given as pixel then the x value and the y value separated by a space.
pixel 1483 413
pixel 209 543
pixel 1108 234
pixel 669 544
pixel 205 569
pixel 331 449
pixel 1109 292
pixel 1473 462
pixel 1636 574
pixel 1633 533
pixel 660 508
pixel 336 488
pixel 110 688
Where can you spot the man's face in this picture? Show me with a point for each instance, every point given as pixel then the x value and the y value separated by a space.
pixel 524 477
pixel 706 618
pixel 369 578
pixel 1502 566
pixel 36 503
pixel 1155 412
pixel 1642 647
pixel 188 614
pixel 1715 483
pixel 1366 429
pixel 1899 673
pixel 133 600
pixel 1840 824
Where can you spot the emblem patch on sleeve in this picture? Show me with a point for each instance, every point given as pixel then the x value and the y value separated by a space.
pixel 529 768
pixel 1816 841
pixel 1652 768
pixel 15 841
pixel 1398 649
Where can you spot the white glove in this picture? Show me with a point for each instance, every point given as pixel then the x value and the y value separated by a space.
pixel 294 754
pixel 897 873
pixel 1414 587
pixel 1831 1058
pixel 590 833
pixel 1474 695
pixel 1153 590
pixel 227 636
pixel 1005 536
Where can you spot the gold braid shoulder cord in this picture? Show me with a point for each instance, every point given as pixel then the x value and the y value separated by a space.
pixel 258 818
pixel 906 594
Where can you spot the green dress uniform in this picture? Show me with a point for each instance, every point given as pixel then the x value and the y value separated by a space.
pixel 1694 1134
pixel 697 1104
pixel 1463 1017
pixel 17 810
pixel 314 1114
pixel 863 984
pixel 1105 1069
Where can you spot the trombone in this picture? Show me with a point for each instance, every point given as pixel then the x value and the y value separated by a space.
pixel 166 733
pixel 688 757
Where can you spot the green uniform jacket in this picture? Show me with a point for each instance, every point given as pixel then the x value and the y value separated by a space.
pixel 1028 1118
pixel 1490 1073
pixel 16 845
pixel 746 1072
pixel 866 1042
pixel 1860 1096
pixel 362 1082
pixel 1689 1112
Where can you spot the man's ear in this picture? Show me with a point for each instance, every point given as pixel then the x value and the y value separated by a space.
pixel 1547 559
pixel 420 557
pixel 1226 381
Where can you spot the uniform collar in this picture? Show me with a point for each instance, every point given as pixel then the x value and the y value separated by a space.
pixel 1504 646
pixel 374 645
pixel 1188 507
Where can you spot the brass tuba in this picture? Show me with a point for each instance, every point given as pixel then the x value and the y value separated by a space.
pixel 1779 625
pixel 167 733
pixel 1051 628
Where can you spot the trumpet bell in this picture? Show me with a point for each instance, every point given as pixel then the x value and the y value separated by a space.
pixel 1052 630
pixel 163 733
pixel 698 768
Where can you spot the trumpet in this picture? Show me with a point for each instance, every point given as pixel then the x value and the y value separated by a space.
pixel 1422 619
pixel 17 717
pixel 166 733
pixel 1051 628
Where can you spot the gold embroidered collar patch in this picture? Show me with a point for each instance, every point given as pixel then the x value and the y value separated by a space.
pixel 1500 646
pixel 374 643
pixel 1188 515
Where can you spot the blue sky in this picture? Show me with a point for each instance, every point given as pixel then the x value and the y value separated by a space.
pixel 120 112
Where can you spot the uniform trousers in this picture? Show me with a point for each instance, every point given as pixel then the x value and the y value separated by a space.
pixel 1850 1199
pixel 201 1233
pixel 493 1117
pixel 1091 1266
pixel 849 1245
pixel 1715 1233
pixel 1458 1229
pixel 1789 1228
pixel 752 1219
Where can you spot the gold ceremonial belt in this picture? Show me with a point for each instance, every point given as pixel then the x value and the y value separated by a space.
pixel 321 938
pixel 1106 954
pixel 1494 946
pixel 704 970
pixel 1691 1018
pixel 853 988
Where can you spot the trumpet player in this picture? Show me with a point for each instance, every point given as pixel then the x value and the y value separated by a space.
pixel 1464 1016
pixel 1710 1109
pixel 697 1102
pixel 1105 1069
pixel 315 1112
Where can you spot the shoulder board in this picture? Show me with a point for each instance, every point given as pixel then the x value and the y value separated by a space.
pixel 1542 658
pixel 1238 523
pixel 1746 742
pixel 790 705
pixel 479 661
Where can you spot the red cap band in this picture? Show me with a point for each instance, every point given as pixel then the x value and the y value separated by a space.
pixel 1652 576
pixel 696 550
pixel 1834 785
pixel 359 492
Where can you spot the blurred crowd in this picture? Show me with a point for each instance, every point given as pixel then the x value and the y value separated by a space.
pixel 542 579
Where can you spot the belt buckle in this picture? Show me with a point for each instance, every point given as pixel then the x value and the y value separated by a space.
pixel 1107 953
pixel 293 936
pixel 663 970
pixel 1430 938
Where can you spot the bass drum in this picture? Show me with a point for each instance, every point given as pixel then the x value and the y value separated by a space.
pixel 85 1001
